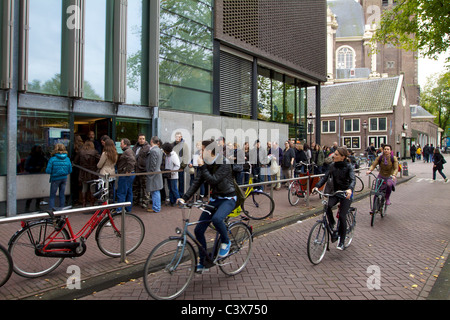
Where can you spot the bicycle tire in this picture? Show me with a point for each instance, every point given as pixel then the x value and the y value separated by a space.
pixel 374 210
pixel 240 251
pixel 161 280
pixel 258 205
pixel 293 191
pixel 109 240
pixel 317 242
pixel 6 265
pixel 351 224
pixel 359 184
pixel 383 208
pixel 22 248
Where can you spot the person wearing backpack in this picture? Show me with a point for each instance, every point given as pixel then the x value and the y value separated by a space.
pixel 58 167
pixel 438 164
pixel 388 170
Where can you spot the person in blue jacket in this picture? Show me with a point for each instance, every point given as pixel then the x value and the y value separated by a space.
pixel 59 167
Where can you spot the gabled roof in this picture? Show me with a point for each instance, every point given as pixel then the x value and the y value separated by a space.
pixel 357 97
pixel 420 112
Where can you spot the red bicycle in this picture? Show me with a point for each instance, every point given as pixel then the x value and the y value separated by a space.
pixel 41 246
pixel 299 188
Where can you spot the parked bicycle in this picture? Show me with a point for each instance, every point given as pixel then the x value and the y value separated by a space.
pixel 41 246
pixel 377 198
pixel 258 205
pixel 171 265
pixel 321 233
pixel 6 265
pixel 298 188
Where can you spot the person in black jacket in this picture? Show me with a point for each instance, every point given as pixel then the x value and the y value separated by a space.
pixel 215 170
pixel 342 179
pixel 438 164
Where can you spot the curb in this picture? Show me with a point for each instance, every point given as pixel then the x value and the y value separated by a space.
pixel 113 278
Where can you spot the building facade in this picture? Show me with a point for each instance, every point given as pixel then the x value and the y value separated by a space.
pixel 122 68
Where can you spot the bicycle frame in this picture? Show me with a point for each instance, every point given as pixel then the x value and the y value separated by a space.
pixel 56 244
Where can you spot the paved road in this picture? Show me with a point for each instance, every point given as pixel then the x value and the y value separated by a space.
pixel 407 249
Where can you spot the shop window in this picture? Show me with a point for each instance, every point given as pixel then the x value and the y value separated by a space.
pixel 130 129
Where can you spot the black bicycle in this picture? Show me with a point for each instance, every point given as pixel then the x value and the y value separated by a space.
pixel 6 265
pixel 171 265
pixel 322 232
pixel 377 198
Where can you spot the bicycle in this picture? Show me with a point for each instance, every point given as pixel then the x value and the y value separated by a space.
pixel 321 233
pixel 297 188
pixel 258 205
pixel 171 265
pixel 41 246
pixel 377 198
pixel 6 265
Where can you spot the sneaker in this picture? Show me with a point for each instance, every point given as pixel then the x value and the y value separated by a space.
pixel 340 246
pixel 224 249
pixel 388 202
pixel 445 180
pixel 200 268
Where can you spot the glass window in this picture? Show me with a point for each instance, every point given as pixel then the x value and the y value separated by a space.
pixel 264 97
pixel 40 130
pixel 345 58
pixel 44 53
pixel 186 55
pixel 95 50
pixel 278 98
pixel 130 129
pixel 3 141
pixel 290 100
pixel 135 70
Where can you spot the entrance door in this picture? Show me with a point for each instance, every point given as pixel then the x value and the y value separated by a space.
pixel 99 125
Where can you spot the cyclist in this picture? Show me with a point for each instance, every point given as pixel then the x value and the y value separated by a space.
pixel 214 169
pixel 340 176
pixel 388 169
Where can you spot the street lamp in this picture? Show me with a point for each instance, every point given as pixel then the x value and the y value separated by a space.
pixel 310 127
pixel 364 125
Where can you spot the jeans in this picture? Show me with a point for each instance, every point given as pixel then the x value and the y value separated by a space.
pixel 125 191
pixel 173 190
pixel 440 172
pixel 156 200
pixel 223 209
pixel 343 210
pixel 54 186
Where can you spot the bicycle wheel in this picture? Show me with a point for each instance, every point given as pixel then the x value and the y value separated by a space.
pixel 258 205
pixel 383 207
pixel 293 193
pixel 359 185
pixel 169 269
pixel 109 238
pixel 6 265
pixel 22 248
pixel 375 207
pixel 240 251
pixel 317 242
pixel 351 224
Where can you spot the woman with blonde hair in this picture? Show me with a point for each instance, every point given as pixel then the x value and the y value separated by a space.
pixel 59 167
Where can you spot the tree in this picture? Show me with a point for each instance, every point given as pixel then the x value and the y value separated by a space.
pixel 435 98
pixel 417 25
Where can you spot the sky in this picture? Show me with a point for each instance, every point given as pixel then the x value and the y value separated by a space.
pixel 428 67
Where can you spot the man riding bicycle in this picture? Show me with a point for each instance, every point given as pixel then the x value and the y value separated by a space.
pixel 340 176
pixel 388 170
pixel 214 170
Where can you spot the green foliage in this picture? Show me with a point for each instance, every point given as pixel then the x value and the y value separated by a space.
pixel 417 25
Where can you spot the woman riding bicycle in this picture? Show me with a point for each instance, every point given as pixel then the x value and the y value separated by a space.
pixel 388 170
pixel 340 176
pixel 214 170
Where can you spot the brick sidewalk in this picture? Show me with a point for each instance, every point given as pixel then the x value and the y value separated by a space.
pixel 278 271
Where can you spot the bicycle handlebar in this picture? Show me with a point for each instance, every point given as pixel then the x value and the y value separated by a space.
pixel 339 192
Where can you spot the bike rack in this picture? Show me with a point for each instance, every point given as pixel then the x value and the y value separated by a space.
pixel 44 215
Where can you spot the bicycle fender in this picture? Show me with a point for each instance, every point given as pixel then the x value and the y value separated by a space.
pixel 26 226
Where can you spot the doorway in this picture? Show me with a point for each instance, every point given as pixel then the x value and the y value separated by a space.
pixel 85 124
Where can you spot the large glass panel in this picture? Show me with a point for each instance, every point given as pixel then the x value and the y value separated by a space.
pixel 95 50
pixel 186 56
pixel 3 141
pixel 290 100
pixel 278 98
pixel 264 94
pixel 40 130
pixel 130 129
pixel 44 57
pixel 134 52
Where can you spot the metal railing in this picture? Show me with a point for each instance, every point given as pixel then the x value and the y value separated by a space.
pixel 44 215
